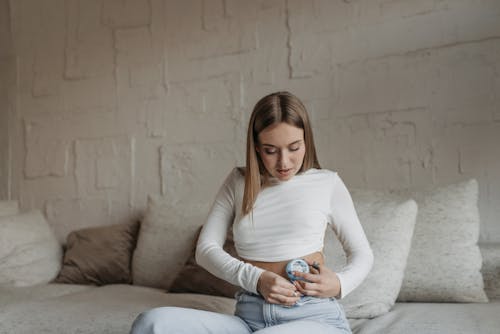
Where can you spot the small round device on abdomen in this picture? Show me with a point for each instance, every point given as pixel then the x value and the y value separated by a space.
pixel 296 265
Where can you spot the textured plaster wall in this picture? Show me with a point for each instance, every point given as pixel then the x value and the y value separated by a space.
pixel 119 99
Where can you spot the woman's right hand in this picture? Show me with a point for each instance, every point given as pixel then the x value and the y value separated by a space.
pixel 277 290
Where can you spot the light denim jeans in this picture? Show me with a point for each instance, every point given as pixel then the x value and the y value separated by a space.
pixel 252 315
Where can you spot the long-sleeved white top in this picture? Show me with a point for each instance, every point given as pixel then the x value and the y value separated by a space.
pixel 288 221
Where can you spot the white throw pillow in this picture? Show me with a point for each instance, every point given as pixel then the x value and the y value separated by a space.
pixel 445 261
pixel 8 208
pixel 29 251
pixel 165 241
pixel 388 222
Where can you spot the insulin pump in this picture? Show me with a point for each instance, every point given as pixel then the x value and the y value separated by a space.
pixel 298 265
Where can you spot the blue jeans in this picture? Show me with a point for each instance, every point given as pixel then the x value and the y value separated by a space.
pixel 252 314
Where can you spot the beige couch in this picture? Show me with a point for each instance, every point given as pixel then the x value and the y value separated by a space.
pixel 65 309
pixel 31 303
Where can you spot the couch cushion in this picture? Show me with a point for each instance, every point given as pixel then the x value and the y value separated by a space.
pixel 388 222
pixel 108 309
pixel 15 295
pixel 444 261
pixel 418 318
pixel 8 208
pixel 165 241
pixel 99 255
pixel 195 279
pixel 29 250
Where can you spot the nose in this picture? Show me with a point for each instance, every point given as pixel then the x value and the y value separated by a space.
pixel 283 159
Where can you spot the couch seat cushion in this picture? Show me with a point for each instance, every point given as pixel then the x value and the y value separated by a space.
pixel 107 309
pixel 417 318
pixel 17 295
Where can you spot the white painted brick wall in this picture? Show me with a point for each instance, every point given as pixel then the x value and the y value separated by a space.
pixel 119 99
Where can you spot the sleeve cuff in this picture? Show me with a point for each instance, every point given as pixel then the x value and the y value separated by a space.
pixel 254 280
pixel 342 293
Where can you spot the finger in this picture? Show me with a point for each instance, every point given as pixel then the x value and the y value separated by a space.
pixel 311 286
pixel 285 292
pixel 308 276
pixel 287 286
pixel 300 288
pixel 312 293
pixel 307 292
pixel 280 285
pixel 284 300
pixel 314 265
pixel 308 289
pixel 312 289
pixel 283 283
pixel 314 271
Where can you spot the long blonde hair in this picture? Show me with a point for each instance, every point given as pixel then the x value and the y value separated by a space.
pixel 272 109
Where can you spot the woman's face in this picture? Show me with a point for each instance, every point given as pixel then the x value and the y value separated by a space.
pixel 281 148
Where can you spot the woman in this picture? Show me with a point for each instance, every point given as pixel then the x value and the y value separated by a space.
pixel 279 207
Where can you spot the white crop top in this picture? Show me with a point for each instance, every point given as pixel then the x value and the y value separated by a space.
pixel 289 221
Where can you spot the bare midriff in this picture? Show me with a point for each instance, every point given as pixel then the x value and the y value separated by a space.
pixel 279 267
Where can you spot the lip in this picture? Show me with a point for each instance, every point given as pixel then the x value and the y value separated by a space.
pixel 284 172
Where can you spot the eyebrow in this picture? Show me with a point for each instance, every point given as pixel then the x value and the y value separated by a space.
pixel 295 142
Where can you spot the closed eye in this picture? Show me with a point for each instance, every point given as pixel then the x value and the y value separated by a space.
pixel 270 151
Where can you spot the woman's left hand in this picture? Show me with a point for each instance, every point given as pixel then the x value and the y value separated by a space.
pixel 321 282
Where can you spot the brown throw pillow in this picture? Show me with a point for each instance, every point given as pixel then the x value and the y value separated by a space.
pixel 99 255
pixel 195 279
